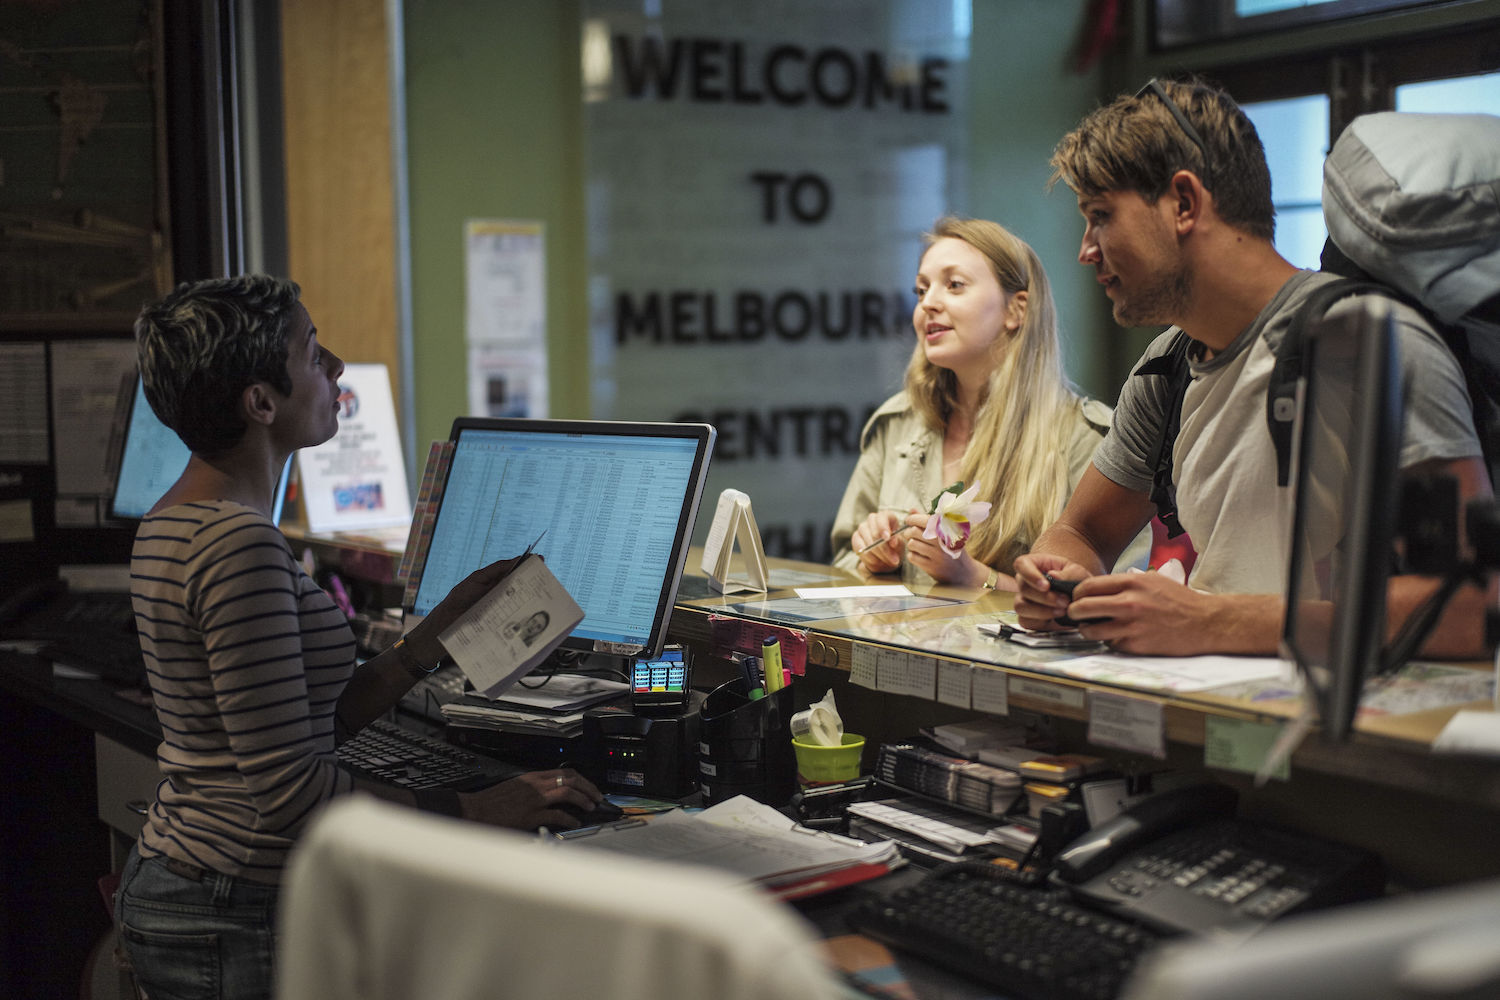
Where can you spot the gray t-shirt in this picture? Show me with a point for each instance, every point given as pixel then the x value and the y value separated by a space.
pixel 1224 463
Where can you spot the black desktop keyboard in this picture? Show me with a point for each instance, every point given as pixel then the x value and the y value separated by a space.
pixel 1029 941
pixel 385 751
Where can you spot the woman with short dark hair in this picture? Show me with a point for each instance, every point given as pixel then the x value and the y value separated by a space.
pixel 251 665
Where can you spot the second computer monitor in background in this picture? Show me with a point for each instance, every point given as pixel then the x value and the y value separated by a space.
pixel 612 503
pixel 152 457
pixel 1344 508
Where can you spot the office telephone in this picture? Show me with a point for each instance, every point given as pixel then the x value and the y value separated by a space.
pixel 1181 863
pixel 94 630
pixel 1090 853
pixel 1178 862
pixel 21 606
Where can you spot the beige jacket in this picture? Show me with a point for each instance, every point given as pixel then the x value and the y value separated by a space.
pixel 901 463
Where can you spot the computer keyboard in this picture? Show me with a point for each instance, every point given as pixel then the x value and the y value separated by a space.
pixel 385 751
pixel 1029 941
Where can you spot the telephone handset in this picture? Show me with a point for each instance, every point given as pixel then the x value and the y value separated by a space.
pixel 1180 862
pixel 1147 820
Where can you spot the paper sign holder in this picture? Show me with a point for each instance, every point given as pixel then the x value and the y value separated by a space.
pixel 734 525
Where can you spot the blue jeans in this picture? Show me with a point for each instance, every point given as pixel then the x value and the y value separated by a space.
pixel 194 935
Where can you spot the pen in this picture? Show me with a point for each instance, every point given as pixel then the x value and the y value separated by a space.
pixel 770 648
pixel 747 671
pixel 887 538
pixel 589 831
pixel 750 670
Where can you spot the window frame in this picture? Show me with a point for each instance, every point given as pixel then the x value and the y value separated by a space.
pixel 1358 62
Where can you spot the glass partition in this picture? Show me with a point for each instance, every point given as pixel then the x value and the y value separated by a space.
pixel 949 633
pixel 758 178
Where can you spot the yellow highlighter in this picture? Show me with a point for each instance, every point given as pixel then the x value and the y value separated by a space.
pixel 770 654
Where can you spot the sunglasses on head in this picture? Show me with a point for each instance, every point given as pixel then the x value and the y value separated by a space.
pixel 1153 86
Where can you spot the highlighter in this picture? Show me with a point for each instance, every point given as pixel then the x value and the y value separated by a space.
pixel 770 649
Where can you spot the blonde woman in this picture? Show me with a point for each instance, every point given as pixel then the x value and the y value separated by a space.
pixel 985 402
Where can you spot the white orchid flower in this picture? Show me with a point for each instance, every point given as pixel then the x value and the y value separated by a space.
pixel 953 518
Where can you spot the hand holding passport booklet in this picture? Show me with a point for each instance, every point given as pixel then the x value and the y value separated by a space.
pixel 514 627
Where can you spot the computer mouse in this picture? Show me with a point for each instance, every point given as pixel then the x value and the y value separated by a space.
pixel 604 811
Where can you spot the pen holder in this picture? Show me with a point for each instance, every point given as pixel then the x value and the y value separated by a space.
pixel 745 746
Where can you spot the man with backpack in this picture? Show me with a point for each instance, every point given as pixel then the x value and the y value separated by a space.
pixel 1176 198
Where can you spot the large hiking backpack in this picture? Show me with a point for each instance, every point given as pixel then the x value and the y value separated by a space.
pixel 1412 203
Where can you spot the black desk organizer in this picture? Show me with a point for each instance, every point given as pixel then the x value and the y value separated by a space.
pixel 745 747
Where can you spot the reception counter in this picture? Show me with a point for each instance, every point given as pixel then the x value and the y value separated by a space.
pixel 894 671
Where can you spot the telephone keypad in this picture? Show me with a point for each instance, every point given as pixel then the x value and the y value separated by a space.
pixel 1227 871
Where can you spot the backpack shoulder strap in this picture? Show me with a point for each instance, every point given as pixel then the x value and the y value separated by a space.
pixel 1281 393
pixel 1173 366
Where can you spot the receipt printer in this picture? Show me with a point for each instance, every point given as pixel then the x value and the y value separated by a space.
pixel 654 755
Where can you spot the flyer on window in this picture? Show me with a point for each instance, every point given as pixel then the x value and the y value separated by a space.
pixel 356 481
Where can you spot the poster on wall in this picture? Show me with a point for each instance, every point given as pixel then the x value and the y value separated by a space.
pixel 83 183
pixel 758 178
pixel 506 317
pixel 356 480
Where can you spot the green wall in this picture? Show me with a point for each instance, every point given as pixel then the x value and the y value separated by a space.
pixel 494 131
pixel 1025 97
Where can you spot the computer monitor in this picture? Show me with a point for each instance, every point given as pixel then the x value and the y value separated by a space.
pixel 1344 508
pixel 613 504
pixel 151 458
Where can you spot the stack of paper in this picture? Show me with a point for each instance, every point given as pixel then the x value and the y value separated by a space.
pixel 968 738
pixel 937 831
pixel 561 693
pixel 464 713
pixel 754 841
pixel 552 708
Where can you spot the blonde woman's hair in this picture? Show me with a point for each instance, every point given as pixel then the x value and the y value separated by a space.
pixel 1018 449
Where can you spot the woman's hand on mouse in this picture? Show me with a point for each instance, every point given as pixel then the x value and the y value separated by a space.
pixel 532 800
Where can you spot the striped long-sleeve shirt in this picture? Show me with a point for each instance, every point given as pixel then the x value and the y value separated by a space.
pixel 246 658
